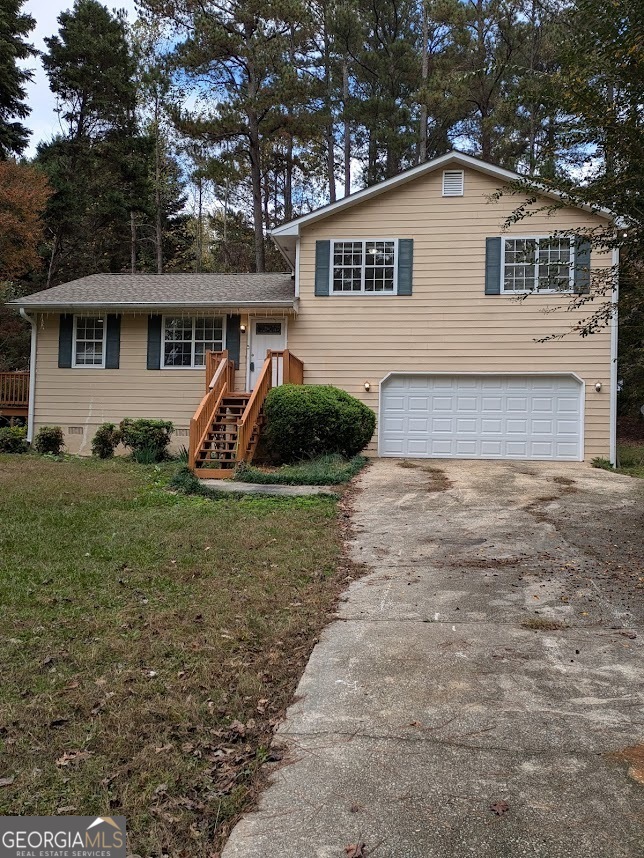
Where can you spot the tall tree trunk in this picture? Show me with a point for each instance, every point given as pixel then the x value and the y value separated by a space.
pixel 256 186
pixel 347 128
pixel 329 130
pixel 54 253
pixel 288 180
pixel 132 242
pixel 157 198
pixel 199 258
pixel 424 74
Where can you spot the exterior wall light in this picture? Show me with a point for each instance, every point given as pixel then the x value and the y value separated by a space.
pixel 598 386
pixel 367 386
pixel 242 328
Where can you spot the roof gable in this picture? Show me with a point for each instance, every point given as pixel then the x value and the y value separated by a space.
pixel 285 236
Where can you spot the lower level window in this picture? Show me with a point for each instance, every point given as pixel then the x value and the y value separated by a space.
pixel 89 341
pixel 538 265
pixel 363 266
pixel 186 340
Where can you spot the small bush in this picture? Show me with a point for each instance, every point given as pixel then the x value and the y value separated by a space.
pixel 49 440
pixel 148 439
pixel 308 420
pixel 13 439
pixel 106 440
pixel 604 464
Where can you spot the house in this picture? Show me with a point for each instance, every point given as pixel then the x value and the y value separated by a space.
pixel 405 294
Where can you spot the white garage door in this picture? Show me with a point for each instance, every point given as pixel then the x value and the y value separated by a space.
pixel 481 416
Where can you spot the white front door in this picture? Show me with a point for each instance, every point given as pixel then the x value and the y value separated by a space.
pixel 264 334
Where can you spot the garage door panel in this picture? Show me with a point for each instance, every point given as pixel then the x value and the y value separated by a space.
pixel 496 417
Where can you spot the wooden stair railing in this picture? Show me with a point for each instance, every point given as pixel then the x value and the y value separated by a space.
pixel 280 367
pixel 221 382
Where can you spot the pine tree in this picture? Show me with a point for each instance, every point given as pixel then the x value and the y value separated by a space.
pixel 14 27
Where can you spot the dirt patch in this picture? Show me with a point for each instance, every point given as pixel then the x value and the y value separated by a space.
pixel 407 464
pixel 438 479
pixel 542 624
pixel 634 756
pixel 563 481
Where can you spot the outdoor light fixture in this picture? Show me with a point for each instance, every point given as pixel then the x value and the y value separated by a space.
pixel 242 328
pixel 598 386
pixel 367 386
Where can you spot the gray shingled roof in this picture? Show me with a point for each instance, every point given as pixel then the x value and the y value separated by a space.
pixel 159 290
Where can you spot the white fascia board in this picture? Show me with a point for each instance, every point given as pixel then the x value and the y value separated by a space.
pixel 79 307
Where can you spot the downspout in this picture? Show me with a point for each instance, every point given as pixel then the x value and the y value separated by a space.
pixel 613 363
pixel 32 374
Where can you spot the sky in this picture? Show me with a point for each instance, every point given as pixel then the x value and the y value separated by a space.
pixel 43 120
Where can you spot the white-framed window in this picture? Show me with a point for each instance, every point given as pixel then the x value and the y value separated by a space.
pixel 538 264
pixel 89 341
pixel 364 266
pixel 186 339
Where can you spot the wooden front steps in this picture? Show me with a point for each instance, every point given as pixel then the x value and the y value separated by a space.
pixel 227 425
pixel 218 450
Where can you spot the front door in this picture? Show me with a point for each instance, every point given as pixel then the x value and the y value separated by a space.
pixel 264 334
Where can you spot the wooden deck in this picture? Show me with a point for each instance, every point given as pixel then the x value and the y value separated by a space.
pixel 14 396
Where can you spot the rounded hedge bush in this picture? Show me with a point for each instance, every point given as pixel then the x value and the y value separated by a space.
pixel 304 420
pixel 50 440
pixel 106 440
pixel 13 439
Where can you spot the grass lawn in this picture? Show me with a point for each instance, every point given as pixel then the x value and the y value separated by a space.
pixel 631 459
pixel 149 640
pixel 332 470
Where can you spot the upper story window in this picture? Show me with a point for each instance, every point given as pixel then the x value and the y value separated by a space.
pixel 89 341
pixel 186 340
pixel 364 266
pixel 538 265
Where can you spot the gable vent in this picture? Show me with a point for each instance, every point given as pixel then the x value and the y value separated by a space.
pixel 452 183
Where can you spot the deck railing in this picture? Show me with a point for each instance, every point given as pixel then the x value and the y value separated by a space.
pixel 280 367
pixel 218 384
pixel 14 389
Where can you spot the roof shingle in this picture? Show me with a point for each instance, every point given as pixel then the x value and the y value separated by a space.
pixel 157 290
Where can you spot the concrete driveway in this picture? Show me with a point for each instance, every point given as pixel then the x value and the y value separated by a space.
pixel 482 690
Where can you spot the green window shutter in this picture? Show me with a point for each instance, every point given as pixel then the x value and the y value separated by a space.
pixel 582 266
pixel 65 338
pixel 113 342
pixel 154 342
pixel 405 265
pixel 322 267
pixel 233 337
pixel 492 266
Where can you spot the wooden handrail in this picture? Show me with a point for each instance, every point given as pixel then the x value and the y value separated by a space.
pixel 253 408
pixel 280 367
pixel 213 359
pixel 219 385
pixel 14 388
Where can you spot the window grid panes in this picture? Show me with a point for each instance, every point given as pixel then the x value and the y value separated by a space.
pixel 89 347
pixel 186 340
pixel 537 265
pixel 363 266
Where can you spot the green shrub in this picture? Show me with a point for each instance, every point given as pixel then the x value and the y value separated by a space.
pixel 106 440
pixel 308 420
pixel 13 439
pixel 50 439
pixel 148 439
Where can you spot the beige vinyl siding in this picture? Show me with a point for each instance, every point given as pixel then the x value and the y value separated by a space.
pixel 84 398
pixel 448 324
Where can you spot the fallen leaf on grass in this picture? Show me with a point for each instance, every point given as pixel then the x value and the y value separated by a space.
pixel 7 781
pixel 356 850
pixel 500 807
pixel 73 757
pixel 162 749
